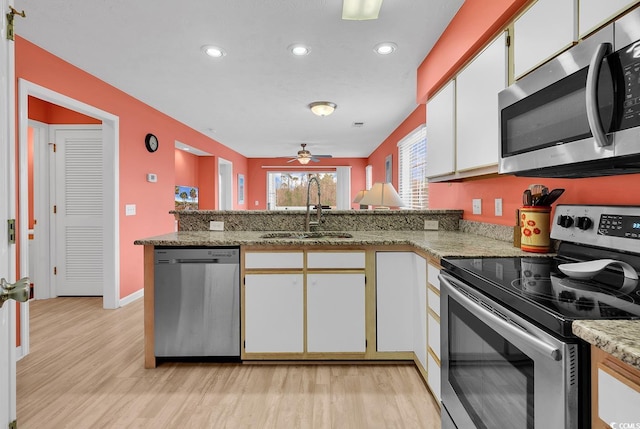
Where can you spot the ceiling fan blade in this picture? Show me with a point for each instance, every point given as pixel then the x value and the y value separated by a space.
pixel 323 156
pixel 314 159
pixel 292 159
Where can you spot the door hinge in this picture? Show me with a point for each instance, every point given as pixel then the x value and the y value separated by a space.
pixel 13 425
pixel 54 147
pixel 508 41
pixel 55 209
pixel 12 230
pixel 12 13
pixel 244 344
pixel 55 271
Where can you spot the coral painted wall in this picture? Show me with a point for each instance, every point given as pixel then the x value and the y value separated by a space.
pixel 259 167
pixel 153 200
pixel 43 111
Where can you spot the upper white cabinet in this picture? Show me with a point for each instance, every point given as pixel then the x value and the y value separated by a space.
pixel 594 13
pixel 463 118
pixel 545 29
pixel 477 119
pixel 441 132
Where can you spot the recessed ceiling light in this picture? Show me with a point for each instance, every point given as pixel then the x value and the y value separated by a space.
pixel 385 48
pixel 361 9
pixel 299 50
pixel 214 51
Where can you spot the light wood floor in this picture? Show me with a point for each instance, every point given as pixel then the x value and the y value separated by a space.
pixel 85 370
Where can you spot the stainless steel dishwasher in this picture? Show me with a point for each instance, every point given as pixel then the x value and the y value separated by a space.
pixel 197 302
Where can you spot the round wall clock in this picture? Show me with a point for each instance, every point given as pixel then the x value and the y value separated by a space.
pixel 151 142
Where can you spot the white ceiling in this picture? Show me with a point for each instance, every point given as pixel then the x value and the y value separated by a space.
pixel 254 99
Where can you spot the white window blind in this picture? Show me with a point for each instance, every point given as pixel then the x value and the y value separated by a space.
pixel 412 181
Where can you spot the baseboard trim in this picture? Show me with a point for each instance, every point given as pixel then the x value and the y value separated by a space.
pixel 131 298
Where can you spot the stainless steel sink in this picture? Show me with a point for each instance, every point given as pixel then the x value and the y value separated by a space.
pixel 306 235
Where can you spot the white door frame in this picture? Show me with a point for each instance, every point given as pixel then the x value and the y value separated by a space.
pixel 111 140
pixel 225 184
pixel 7 211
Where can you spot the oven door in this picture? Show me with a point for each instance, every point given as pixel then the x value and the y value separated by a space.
pixel 499 370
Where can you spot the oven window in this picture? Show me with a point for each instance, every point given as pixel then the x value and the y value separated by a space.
pixel 492 378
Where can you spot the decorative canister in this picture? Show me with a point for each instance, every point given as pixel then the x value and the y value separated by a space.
pixel 535 229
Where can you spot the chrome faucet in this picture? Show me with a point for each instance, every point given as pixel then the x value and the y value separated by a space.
pixel 308 222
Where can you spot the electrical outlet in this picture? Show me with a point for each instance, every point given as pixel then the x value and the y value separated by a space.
pixel 431 225
pixel 216 225
pixel 498 206
pixel 477 206
pixel 130 210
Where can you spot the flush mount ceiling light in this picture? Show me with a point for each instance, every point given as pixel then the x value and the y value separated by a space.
pixel 214 51
pixel 361 10
pixel 299 50
pixel 322 108
pixel 385 48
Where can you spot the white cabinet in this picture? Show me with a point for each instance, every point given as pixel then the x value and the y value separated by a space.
pixel 420 311
pixel 273 308
pixel 273 259
pixel 593 13
pixel 545 29
pixel 433 327
pixel 441 132
pixel 336 312
pixel 615 391
pixel 477 114
pixel 394 301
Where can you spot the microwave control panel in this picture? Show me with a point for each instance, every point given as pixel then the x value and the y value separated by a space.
pixel 629 58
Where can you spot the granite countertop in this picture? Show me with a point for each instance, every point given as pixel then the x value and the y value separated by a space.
pixel 620 338
pixel 438 244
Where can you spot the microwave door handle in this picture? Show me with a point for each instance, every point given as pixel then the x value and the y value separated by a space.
pixel 593 75
pixel 490 318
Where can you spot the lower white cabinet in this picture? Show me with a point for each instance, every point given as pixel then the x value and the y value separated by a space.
pixel 274 313
pixel 336 313
pixel 433 327
pixel 433 377
pixel 420 312
pixel 394 301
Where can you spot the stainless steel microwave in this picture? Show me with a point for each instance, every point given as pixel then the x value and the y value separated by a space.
pixel 579 114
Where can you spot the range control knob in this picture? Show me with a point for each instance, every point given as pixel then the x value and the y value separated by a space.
pixel 583 223
pixel 565 221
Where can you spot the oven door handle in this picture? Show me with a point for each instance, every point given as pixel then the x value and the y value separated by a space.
pixel 490 318
pixel 593 114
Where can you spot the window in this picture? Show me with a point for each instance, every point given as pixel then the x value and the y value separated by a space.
pixel 288 190
pixel 412 161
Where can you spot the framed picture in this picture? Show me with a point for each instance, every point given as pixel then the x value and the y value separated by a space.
pixel 240 189
pixel 388 168
pixel 186 197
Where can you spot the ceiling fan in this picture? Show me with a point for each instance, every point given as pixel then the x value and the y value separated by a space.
pixel 304 156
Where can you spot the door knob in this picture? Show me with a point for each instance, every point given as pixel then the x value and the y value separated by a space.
pixel 18 291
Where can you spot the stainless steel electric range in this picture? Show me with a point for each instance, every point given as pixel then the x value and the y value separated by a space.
pixel 509 358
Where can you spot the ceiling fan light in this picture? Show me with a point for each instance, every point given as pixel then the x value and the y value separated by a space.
pixel 361 9
pixel 322 108
pixel 304 160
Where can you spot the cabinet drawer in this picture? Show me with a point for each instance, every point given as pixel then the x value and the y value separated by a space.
pixel 618 396
pixel 434 301
pixel 433 332
pixel 271 259
pixel 433 376
pixel 432 276
pixel 335 260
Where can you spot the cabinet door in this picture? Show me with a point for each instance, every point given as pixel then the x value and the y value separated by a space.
pixel 477 114
pixel 441 132
pixel 273 309
pixel 543 31
pixel 336 313
pixel 593 13
pixel 394 301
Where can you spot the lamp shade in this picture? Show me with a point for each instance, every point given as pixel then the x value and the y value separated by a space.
pixel 382 195
pixel 359 196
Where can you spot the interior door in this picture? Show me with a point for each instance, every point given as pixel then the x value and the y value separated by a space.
pixel 7 211
pixel 79 237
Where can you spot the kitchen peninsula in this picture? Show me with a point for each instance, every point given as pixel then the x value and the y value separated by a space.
pixel 388 258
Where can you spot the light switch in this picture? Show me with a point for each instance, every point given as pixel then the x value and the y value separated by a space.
pixel 130 210
pixel 152 177
pixel 476 204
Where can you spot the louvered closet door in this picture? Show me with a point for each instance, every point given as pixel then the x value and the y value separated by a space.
pixel 79 221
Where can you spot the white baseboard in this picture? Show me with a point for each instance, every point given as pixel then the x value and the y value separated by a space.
pixel 19 354
pixel 130 298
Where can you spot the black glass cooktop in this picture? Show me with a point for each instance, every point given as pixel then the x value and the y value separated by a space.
pixel 537 289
